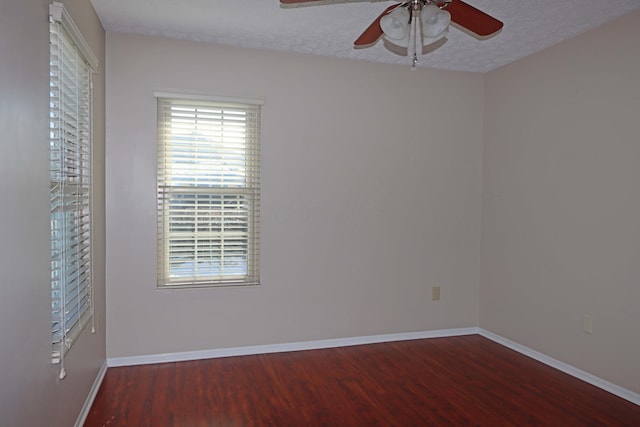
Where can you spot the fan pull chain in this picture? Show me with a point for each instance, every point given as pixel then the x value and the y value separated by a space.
pixel 414 28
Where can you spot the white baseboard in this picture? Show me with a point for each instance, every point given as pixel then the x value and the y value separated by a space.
pixel 279 348
pixel 84 412
pixel 561 366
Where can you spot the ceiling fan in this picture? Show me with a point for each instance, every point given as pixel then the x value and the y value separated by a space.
pixel 400 23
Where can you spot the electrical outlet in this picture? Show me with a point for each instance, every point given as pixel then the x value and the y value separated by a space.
pixel 587 324
pixel 435 293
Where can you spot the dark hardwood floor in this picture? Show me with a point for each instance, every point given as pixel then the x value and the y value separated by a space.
pixel 457 381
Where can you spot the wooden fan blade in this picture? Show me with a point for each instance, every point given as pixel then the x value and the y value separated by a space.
pixel 475 21
pixel 300 3
pixel 373 31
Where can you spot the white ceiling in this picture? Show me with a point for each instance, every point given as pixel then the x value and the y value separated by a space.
pixel 329 30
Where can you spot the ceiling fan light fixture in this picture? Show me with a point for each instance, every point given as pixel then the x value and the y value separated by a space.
pixel 435 22
pixel 396 24
pixel 411 23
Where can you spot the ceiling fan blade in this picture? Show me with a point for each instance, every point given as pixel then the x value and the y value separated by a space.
pixel 373 31
pixel 300 3
pixel 474 21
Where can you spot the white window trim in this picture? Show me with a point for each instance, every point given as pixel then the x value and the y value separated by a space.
pixel 254 194
pixel 206 97
pixel 60 16
pixel 58 13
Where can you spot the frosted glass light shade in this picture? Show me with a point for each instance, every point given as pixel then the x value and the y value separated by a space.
pixel 435 23
pixel 395 25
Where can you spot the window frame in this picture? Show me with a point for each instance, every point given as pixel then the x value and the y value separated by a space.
pixel 72 65
pixel 248 193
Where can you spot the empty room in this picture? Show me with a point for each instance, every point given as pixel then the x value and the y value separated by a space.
pixel 322 213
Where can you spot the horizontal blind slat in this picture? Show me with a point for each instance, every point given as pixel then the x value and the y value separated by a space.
pixel 70 187
pixel 208 192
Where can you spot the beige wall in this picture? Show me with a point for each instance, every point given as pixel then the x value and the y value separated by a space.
pixel 30 393
pixel 370 196
pixel 561 202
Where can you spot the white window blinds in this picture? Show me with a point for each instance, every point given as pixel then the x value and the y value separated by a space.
pixel 70 181
pixel 208 192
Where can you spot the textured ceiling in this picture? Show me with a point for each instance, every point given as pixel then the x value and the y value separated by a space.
pixel 329 30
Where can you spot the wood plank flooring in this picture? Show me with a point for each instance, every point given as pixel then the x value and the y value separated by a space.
pixel 456 381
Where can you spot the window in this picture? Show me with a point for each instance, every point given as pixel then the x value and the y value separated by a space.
pixel 208 191
pixel 70 66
